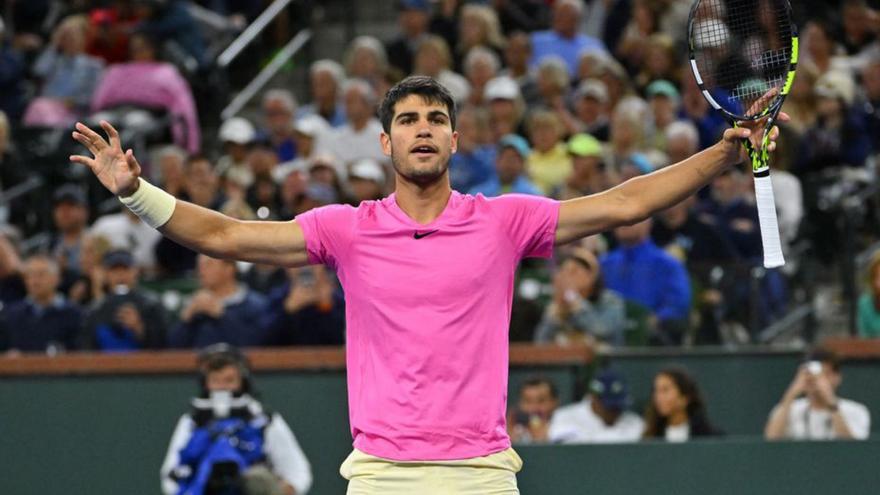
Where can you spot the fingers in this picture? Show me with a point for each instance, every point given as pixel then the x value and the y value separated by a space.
pixel 761 103
pixel 112 133
pixel 89 138
pixel 133 164
pixel 736 133
pixel 88 162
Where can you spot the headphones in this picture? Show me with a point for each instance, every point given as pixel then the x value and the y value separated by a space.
pixel 225 355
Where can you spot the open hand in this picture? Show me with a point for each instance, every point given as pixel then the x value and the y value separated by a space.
pixel 117 171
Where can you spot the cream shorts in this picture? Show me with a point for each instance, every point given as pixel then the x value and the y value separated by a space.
pixel 493 474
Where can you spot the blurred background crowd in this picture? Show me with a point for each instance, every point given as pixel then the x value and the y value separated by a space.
pixel 263 110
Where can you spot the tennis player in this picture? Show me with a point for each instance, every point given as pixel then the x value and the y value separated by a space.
pixel 428 278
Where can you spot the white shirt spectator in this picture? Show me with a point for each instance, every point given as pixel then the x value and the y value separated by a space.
pixel 577 423
pixel 805 423
pixel 678 433
pixel 349 145
pixel 126 231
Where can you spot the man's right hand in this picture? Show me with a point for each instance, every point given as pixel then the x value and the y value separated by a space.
pixel 118 171
pixel 798 386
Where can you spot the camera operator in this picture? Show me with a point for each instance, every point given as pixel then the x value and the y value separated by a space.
pixel 820 414
pixel 229 443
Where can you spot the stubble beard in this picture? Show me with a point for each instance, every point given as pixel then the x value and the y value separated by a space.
pixel 420 177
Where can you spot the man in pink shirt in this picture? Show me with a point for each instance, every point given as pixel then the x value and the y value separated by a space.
pixel 428 277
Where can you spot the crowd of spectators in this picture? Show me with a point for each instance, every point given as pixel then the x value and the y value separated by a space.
pixel 560 99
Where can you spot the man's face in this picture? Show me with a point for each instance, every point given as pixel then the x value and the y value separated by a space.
pixel 357 107
pixel 226 379
pixel 537 400
pixel 827 373
pixel 663 108
pixel 509 164
pixel 421 140
pixel 588 109
pixel 40 278
pixel 214 273
pixel 122 275
pixel 69 216
pixel 565 19
pixel 278 117
pixel 324 87
pixel 518 51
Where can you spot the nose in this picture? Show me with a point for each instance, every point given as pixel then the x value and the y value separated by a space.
pixel 424 130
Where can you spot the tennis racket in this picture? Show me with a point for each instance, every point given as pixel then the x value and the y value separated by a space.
pixel 743 54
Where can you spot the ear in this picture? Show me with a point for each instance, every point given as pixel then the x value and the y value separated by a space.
pixel 385 141
pixel 454 142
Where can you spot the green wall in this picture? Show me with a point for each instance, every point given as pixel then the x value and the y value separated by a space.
pixel 107 434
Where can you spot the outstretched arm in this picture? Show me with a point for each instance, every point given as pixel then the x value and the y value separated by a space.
pixel 200 229
pixel 640 197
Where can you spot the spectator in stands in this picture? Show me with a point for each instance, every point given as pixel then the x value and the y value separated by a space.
pixel 506 107
pixel 587 168
pixel 325 83
pixel 551 85
pixel 307 131
pixel 171 162
pixel 810 408
pixel 665 101
pixel 839 136
pixel 279 114
pixel 127 318
pixel 229 424
pixel 12 77
pixel 858 34
pixel 222 310
pixel 821 48
pixel 660 62
pixel 801 101
pixel 69 77
pixel 478 27
pixel 517 54
pixel 44 321
pixel 127 231
pixel 696 109
pixel 869 302
pixel 149 82
pixel 433 58
pixel 591 109
pixel 71 215
pixel 413 17
pixel 729 209
pixel 308 309
pixel 12 173
pixel 480 66
pixel 12 287
pixel 474 161
pixel 90 285
pixel 510 173
pixel 549 163
pixel 631 129
pixel 583 310
pixel 356 139
pixel 326 170
pixel 563 39
pixel 643 273
pixel 682 140
pixel 171 22
pixel 600 417
pixel 108 32
pixel 365 58
pixel 871 104
pixel 367 180
pixel 677 412
pixel 634 40
pixel 529 421
pixel 236 135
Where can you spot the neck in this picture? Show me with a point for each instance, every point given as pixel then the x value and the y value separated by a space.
pixel 71 236
pixel 225 290
pixel 422 203
pixel 44 299
pixel 677 418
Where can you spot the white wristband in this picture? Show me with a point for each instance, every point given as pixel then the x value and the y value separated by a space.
pixel 153 205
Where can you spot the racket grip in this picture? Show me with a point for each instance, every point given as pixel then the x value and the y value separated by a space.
pixel 767 220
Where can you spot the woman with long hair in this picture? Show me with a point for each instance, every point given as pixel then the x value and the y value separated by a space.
pixel 677 411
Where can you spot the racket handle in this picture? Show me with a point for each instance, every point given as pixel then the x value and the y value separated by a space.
pixel 767 220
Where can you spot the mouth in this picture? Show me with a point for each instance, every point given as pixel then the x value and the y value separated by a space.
pixel 423 150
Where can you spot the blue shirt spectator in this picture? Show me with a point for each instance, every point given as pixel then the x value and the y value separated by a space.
pixel 306 310
pixel 642 272
pixel 44 319
pixel 467 169
pixel 222 311
pixel 513 151
pixel 563 40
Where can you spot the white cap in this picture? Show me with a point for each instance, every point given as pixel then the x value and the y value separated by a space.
pixel 502 88
pixel 593 88
pixel 369 170
pixel 311 125
pixel 237 130
pixel 711 33
pixel 836 84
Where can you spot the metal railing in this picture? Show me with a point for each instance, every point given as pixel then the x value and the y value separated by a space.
pixel 265 75
pixel 251 32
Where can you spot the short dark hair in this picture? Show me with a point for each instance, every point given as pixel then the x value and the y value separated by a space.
pixel 427 87
pixel 825 356
pixel 537 381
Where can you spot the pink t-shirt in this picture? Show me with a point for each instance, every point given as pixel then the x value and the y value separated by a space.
pixel 427 313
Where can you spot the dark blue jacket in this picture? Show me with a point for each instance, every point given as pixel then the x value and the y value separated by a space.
pixel 239 325
pixel 308 326
pixel 28 327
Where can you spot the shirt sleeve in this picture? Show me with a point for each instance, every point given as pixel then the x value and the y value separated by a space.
pixel 179 439
pixel 328 232
pixel 858 419
pixel 287 458
pixel 529 221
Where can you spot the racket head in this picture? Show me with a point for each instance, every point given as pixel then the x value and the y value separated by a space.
pixel 743 55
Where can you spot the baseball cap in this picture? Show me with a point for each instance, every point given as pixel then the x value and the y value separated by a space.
pixel 118 257
pixel 237 130
pixel 502 88
pixel 367 169
pixel 311 125
pixel 662 87
pixel 593 88
pixel 518 143
pixel 69 193
pixel 610 389
pixel 584 145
